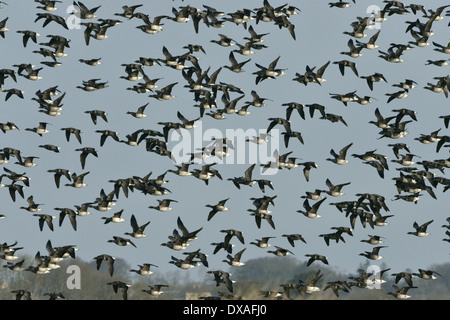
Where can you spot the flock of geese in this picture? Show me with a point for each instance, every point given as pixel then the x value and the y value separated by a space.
pixel 220 100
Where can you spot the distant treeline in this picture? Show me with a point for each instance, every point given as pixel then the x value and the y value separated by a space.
pixel 252 281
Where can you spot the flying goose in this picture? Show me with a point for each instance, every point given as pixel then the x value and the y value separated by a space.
pixel 116 218
pixel 77 180
pixel 310 286
pixel 122 241
pixel 155 290
pixel 291 238
pixel 138 231
pixel 335 190
pixel 374 254
pixel 341 157
pixel 421 230
pixel 262 243
pixel 85 151
pixel 219 207
pixel 311 211
pixel 116 285
pixel 316 257
pixel 144 269
pixel 400 293
pixel 280 252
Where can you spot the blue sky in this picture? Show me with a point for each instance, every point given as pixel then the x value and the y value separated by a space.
pixel 319 38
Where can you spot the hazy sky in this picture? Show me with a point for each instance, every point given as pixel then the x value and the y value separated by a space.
pixel 319 39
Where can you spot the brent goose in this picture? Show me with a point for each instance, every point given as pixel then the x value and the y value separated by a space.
pixel 294 237
pixel 246 179
pixel 128 11
pixel 310 286
pixel 155 290
pixel 373 239
pixel 280 252
pixel 407 276
pixel 224 41
pixel 270 294
pixel 77 180
pixel 76 132
pixel 50 147
pixel 58 173
pixel 138 231
pixel 222 277
pixel 354 52
pixel 165 93
pixel 235 261
pixel 28 34
pixel 313 195
pixel 261 215
pixel 3 28
pixel 426 274
pixel 374 254
pixel 346 63
pixel 144 269
pixel 406 159
pixel 163 205
pixel 7 126
pixel 13 91
pixel 187 235
pixel 32 206
pixel 17 266
pixel 106 134
pixel 20 293
pixel 263 242
pixel 341 157
pixel 230 233
pixel 54 295
pixel 84 12
pixel 48 5
pixel 311 211
pixel 49 17
pixel 186 263
pixel 93 85
pixel 219 207
pixel 9 255
pixel 316 257
pixel 45 218
pixel 376 77
pixel 400 293
pixel 41 129
pixel 27 161
pixel 308 165
pixel 116 285
pixel 421 231
pixel 441 48
pixel 116 218
pixel 220 245
pixel 371 43
pixel 13 188
pixel 122 241
pixel 97 113
pixel 337 236
pixel 85 151
pixel 335 190
pixel 139 113
pixel 336 286
pixel 91 62
pixel 340 4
